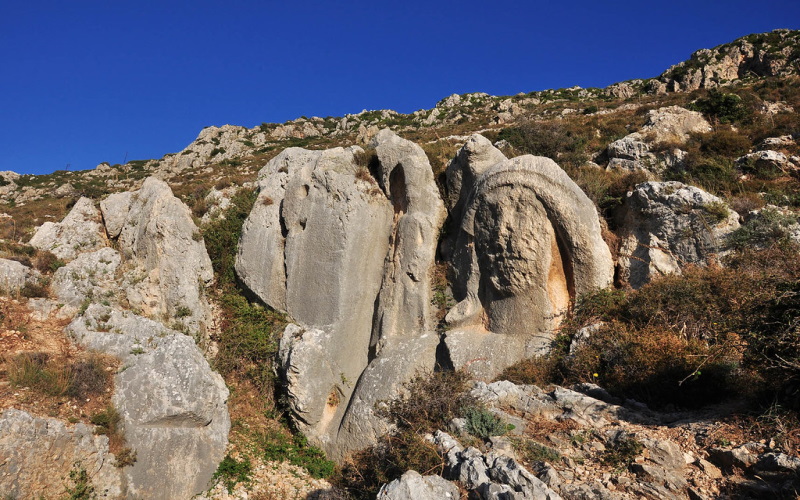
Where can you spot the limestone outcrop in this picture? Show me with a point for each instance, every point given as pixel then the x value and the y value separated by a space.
pixel 672 126
pixel 14 275
pixel 80 231
pixel 170 265
pixel 40 453
pixel 373 244
pixel 172 406
pixel 414 486
pixel 666 225
pixel 767 54
pixel 91 276
pixel 527 244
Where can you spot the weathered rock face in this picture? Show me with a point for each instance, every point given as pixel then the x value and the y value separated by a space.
pixel 90 276
pixel 666 225
pixel 403 307
pixel 39 454
pixel 768 54
pixel 14 275
pixel 766 162
pixel 672 125
pixel 373 246
pixel 313 208
pixel 171 404
pixel 473 159
pixel 80 231
pixel 156 232
pixel 529 242
pixel 490 476
pixel 413 486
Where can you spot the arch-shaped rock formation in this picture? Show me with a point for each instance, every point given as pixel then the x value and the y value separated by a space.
pixel 529 241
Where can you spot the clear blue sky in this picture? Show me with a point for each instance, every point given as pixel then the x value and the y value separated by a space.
pixel 84 82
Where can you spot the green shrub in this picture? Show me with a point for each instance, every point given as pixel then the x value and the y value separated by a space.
pixel 296 450
pixel 551 139
pixel 46 262
pixel 432 401
pixel 688 340
pixel 531 451
pixel 722 107
pixel 81 488
pixel 231 471
pixel 222 235
pixel 725 141
pixel 622 452
pixel 769 227
pixel 484 424
pixel 249 340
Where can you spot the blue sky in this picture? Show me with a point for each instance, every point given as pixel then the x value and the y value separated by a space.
pixel 89 81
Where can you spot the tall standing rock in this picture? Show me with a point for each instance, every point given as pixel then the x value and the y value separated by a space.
pixel 80 231
pixel 666 225
pixel 155 231
pixel 404 340
pixel 528 244
pixel 314 246
pixel 349 259
pixel 403 307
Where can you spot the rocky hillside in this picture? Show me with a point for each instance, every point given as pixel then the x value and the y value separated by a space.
pixel 574 293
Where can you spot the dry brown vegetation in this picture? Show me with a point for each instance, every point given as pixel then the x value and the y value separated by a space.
pixel 42 372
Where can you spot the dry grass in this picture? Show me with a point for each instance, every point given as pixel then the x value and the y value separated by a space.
pixel 43 373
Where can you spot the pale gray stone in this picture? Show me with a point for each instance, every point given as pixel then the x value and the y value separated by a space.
pixel 413 486
pixel 403 307
pixel 529 242
pixel 473 159
pixel 666 225
pixel 39 453
pixel 91 276
pixel 80 231
pixel 368 292
pixel 319 211
pixel 674 124
pixel 115 210
pixel 172 405
pixel 630 147
pixel 765 160
pixel 506 470
pixel 400 360
pixel 14 275
pixel 169 260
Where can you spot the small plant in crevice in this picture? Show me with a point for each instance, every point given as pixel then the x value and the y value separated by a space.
pixel 297 451
pixel 531 451
pixel 484 424
pixel 81 487
pixel 108 423
pixel 622 452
